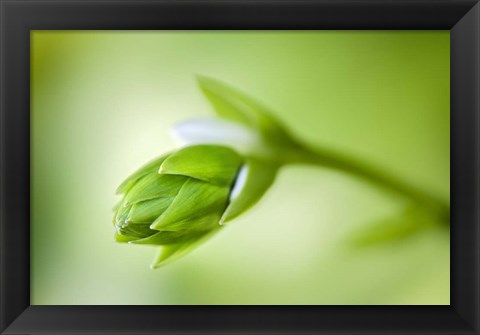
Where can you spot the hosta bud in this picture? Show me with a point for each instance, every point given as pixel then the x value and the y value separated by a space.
pixel 179 199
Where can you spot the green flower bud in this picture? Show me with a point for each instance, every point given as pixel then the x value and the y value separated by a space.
pixel 180 198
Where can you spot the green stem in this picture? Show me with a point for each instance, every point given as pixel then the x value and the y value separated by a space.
pixel 302 154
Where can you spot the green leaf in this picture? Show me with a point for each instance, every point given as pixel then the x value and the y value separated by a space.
pixel 123 239
pixel 194 224
pixel 196 199
pixel 211 163
pixel 143 171
pixel 234 105
pixel 227 102
pixel 256 177
pixel 169 237
pixel 409 222
pixel 136 230
pixel 121 215
pixel 148 211
pixel 168 253
pixel 153 186
pixel 171 252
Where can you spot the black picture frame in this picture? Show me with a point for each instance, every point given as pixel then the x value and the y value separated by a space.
pixel 18 17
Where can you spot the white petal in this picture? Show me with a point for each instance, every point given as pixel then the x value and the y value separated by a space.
pixel 239 182
pixel 218 131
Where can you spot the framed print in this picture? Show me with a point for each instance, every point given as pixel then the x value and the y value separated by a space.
pixel 239 167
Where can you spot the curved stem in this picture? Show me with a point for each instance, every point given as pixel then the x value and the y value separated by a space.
pixel 330 159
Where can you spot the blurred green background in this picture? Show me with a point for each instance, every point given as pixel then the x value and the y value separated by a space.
pixel 103 103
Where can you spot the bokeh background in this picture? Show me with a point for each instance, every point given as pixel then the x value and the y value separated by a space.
pixel 103 103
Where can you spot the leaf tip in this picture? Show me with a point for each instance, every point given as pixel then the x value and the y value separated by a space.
pixel 156 225
pixel 201 78
pixel 154 266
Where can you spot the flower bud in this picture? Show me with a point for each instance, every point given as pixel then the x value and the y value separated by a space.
pixel 179 199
